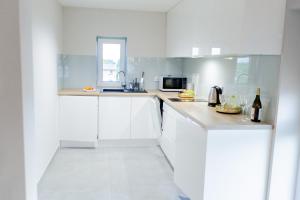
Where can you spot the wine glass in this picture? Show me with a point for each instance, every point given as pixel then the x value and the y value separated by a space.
pixel 243 101
pixel 222 99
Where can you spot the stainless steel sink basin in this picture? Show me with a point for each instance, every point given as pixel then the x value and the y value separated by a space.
pixel 135 91
pixel 123 90
pixel 113 90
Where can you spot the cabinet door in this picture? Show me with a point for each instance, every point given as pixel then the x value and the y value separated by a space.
pixel 189 168
pixel 114 117
pixel 235 26
pixel 78 118
pixel 227 20
pixel 168 138
pixel 244 27
pixel 143 118
pixel 169 122
pixel 189 28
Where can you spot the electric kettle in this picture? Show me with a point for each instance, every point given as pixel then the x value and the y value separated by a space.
pixel 213 98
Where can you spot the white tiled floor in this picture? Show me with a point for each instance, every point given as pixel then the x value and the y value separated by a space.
pixel 109 173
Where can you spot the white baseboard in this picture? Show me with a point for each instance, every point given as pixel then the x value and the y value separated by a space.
pixel 109 143
pixel 129 143
pixel 39 177
pixel 78 144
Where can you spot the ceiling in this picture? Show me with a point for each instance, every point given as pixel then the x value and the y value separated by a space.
pixel 139 5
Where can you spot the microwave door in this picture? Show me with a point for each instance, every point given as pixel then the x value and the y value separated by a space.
pixel 168 84
pixel 184 83
pixel 171 84
pixel 174 83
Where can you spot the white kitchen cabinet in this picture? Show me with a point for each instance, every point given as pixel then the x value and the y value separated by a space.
pixel 222 164
pixel 144 122
pixel 128 118
pixel 78 122
pixel 247 27
pixel 114 118
pixel 189 168
pixel 168 138
pixel 188 27
pixel 237 164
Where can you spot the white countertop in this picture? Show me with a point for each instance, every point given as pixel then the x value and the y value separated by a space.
pixel 199 112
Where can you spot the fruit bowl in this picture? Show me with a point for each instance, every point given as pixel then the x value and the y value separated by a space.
pixel 89 89
pixel 187 94
pixel 228 109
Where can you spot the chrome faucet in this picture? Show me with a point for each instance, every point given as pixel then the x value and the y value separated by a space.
pixel 123 84
pixel 238 78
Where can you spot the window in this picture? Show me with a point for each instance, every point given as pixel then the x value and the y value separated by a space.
pixel 112 58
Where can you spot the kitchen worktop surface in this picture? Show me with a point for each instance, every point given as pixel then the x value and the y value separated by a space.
pixel 199 112
pixel 79 92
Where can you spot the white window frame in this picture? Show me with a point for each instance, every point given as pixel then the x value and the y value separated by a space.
pixel 110 40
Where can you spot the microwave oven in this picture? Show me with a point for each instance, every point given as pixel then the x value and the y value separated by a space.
pixel 172 84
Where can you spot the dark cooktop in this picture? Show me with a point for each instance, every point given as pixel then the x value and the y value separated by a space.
pixel 186 100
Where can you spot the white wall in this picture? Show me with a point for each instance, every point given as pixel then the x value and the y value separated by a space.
pixel 298 184
pixel 12 174
pixel 47 43
pixel 294 4
pixel 145 30
pixel 28 99
pixel 287 138
pixel 29 45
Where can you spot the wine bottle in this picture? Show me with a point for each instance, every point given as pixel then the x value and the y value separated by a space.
pixel 256 110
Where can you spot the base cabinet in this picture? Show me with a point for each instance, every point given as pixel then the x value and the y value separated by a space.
pixel 78 124
pixel 168 137
pixel 189 168
pixel 83 120
pixel 114 117
pixel 221 164
pixel 128 118
pixel 144 114
pixel 237 164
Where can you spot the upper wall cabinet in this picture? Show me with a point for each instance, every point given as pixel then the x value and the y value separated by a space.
pixel 227 27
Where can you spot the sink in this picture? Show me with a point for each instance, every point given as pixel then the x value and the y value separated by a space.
pixel 113 90
pixel 135 91
pixel 123 90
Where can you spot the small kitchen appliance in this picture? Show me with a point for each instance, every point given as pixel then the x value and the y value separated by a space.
pixel 172 84
pixel 213 98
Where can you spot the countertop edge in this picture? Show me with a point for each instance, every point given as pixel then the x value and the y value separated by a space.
pixel 77 92
pixel 217 127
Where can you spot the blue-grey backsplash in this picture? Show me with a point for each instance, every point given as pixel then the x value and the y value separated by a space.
pixel 238 75
pixel 79 71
